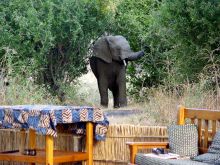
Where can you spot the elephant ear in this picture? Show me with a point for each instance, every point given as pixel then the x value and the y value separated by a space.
pixel 119 47
pixel 102 51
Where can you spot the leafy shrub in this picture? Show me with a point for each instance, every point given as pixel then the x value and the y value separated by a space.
pixel 183 36
pixel 189 32
pixel 132 21
pixel 48 40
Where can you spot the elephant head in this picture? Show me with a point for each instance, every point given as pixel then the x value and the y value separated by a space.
pixel 116 48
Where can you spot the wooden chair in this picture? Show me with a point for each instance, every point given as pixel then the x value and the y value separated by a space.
pixel 206 121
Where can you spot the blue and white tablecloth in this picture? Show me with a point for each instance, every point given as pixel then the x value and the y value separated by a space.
pixel 44 118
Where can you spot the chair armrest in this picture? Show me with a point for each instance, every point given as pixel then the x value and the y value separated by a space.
pixel 148 144
pixel 134 146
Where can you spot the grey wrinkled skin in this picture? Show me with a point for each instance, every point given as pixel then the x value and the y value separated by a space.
pixel 111 54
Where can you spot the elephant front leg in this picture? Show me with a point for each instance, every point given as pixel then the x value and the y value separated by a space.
pixel 103 90
pixel 116 98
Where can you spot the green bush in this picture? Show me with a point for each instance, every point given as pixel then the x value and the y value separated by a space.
pixel 131 20
pixel 49 39
pixel 189 32
pixel 183 36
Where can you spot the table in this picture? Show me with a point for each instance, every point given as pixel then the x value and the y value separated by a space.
pixel 43 119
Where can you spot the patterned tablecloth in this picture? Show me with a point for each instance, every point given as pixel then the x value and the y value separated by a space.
pixel 44 118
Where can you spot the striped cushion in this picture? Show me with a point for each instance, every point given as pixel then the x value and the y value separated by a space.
pixel 183 139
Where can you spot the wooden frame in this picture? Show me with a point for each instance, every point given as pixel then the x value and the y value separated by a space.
pixel 49 156
pixel 206 121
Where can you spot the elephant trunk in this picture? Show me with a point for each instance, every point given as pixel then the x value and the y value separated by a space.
pixel 135 55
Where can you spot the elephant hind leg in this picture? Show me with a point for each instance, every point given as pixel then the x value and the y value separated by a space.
pixel 121 84
pixel 123 102
pixel 119 101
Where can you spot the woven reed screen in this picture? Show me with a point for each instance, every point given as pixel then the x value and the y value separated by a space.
pixel 114 150
pixel 109 152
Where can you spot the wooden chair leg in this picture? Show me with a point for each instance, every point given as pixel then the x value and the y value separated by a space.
pixel 32 141
pixel 22 141
pixel 133 152
pixel 89 143
pixel 49 150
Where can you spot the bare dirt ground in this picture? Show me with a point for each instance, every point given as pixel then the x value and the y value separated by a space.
pixel 132 114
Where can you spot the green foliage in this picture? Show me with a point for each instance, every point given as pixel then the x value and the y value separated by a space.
pixel 132 20
pixel 186 29
pixel 48 39
pixel 184 37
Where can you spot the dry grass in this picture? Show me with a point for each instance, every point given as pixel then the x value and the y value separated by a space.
pixel 160 108
pixel 24 92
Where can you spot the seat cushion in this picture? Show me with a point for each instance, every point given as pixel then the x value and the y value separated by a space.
pixel 142 159
pixel 207 158
pixel 183 139
pixel 217 161
pixel 215 146
pixel 213 154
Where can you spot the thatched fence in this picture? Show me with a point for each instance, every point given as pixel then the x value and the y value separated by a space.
pixel 109 152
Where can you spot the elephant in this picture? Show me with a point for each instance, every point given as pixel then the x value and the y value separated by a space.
pixel 108 63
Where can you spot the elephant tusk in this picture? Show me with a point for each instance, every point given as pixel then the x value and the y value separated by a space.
pixel 124 62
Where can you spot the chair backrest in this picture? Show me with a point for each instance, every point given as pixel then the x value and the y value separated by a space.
pixel 206 120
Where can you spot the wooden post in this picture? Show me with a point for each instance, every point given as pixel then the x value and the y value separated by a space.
pixel 206 133
pixel 22 141
pixel 181 115
pixel 89 143
pixel 133 152
pixel 49 150
pixel 32 141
